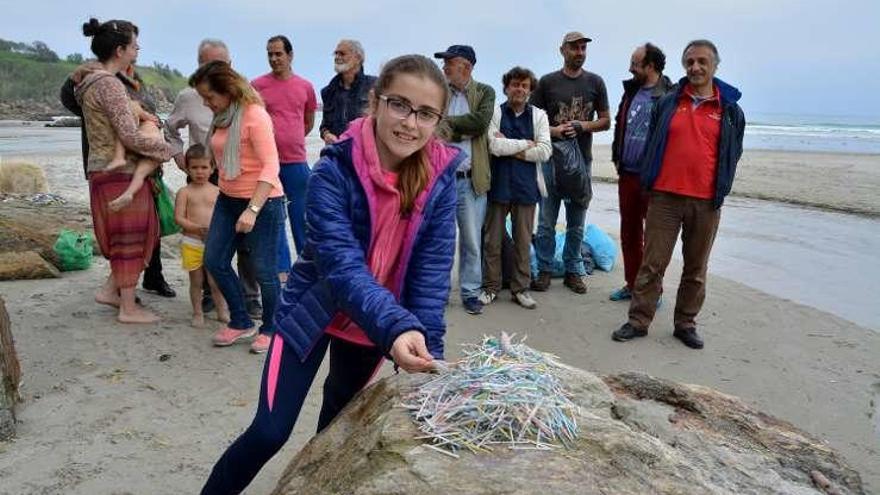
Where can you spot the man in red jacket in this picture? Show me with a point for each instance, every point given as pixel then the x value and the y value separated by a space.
pixel 693 146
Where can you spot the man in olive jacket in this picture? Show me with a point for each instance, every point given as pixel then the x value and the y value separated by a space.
pixel 469 112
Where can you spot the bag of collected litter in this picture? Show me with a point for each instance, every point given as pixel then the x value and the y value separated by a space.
pixel 74 250
pixel 558 269
pixel 164 208
pixel 601 247
pixel 571 175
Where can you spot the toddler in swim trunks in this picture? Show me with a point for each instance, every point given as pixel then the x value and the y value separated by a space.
pixel 192 211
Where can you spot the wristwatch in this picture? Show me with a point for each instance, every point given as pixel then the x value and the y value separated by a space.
pixel 254 208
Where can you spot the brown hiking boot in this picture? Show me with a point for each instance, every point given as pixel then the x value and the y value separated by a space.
pixel 576 283
pixel 542 283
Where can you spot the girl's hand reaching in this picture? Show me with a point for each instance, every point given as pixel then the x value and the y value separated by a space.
pixel 410 353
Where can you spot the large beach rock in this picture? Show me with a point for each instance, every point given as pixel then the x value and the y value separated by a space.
pixel 27 265
pixel 28 226
pixel 10 376
pixel 638 435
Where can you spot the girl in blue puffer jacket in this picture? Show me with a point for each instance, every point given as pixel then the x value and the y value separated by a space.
pixel 373 279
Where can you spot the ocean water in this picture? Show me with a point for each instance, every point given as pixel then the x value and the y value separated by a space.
pixel 764 131
pixel 808 133
pixel 813 133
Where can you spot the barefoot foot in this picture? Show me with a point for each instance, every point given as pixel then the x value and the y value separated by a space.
pixel 121 202
pixel 108 297
pixel 198 321
pixel 138 315
pixel 114 164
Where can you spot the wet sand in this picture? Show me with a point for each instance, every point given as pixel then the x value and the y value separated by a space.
pixel 148 409
pixel 846 182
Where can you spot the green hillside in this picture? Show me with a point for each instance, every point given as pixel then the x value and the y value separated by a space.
pixel 31 76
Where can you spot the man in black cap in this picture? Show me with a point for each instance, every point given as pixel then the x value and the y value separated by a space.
pixel 577 106
pixel 470 110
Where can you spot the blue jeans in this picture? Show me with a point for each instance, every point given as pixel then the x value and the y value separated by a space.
pixel 294 178
pixel 221 244
pixel 470 213
pixel 284 261
pixel 545 240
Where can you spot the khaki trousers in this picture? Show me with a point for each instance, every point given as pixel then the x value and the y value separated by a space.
pixel 697 220
pixel 523 220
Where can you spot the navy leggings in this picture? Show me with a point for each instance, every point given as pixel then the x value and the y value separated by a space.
pixel 286 381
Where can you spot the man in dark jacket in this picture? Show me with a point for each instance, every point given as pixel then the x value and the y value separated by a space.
pixel 632 122
pixel 689 162
pixel 346 97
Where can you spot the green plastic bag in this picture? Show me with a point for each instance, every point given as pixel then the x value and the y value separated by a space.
pixel 74 249
pixel 164 208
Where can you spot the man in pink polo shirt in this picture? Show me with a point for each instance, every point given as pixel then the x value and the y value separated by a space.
pixel 688 165
pixel 291 102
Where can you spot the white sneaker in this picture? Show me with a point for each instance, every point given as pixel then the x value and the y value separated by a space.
pixel 486 297
pixel 525 300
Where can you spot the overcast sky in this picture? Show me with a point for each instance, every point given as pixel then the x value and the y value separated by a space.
pixel 786 56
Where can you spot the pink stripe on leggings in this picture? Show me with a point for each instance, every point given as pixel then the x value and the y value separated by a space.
pixel 274 365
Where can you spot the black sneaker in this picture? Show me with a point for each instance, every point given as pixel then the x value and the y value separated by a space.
pixel 473 306
pixel 254 309
pixel 542 282
pixel 161 287
pixel 688 337
pixel 627 332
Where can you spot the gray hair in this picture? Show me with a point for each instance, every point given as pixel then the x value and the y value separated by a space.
pixel 212 43
pixel 705 44
pixel 356 47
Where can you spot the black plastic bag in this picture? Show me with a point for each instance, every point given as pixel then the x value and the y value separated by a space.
pixel 571 174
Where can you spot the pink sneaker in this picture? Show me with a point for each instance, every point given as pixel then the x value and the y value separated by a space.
pixel 227 336
pixel 261 344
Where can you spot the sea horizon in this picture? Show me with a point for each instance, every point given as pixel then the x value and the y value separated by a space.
pixel 764 131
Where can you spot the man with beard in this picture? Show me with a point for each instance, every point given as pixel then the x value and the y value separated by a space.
pixel 689 162
pixel 640 93
pixel 347 95
pixel 577 106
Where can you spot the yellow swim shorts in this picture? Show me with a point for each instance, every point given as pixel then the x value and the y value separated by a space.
pixel 192 253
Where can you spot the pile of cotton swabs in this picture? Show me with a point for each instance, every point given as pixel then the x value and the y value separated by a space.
pixel 499 394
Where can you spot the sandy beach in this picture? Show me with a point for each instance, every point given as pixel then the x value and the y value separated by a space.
pixel 120 409
pixel 846 182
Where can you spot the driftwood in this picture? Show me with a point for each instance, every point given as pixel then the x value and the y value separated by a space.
pixel 10 375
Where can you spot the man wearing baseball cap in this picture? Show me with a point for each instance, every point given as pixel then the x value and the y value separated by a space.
pixel 470 109
pixel 577 106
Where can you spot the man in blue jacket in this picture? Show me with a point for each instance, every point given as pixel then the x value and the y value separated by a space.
pixel 689 162
pixel 631 127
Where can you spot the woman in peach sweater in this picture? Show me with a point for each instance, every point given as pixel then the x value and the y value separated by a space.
pixel 249 209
